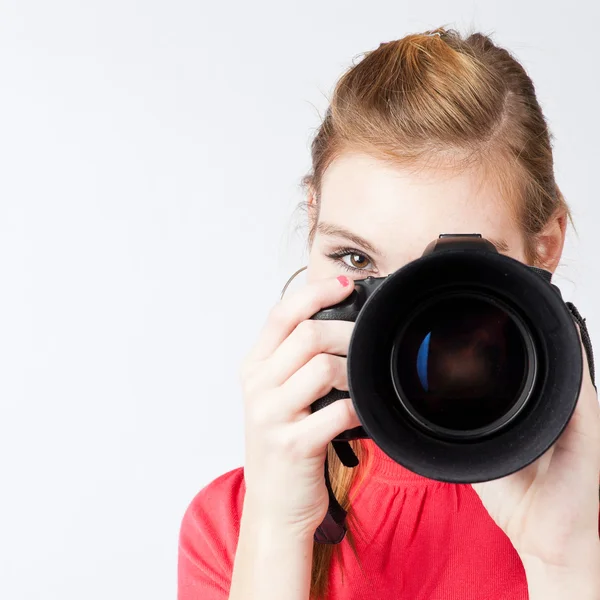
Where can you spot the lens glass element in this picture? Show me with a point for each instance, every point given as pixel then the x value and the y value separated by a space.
pixel 461 363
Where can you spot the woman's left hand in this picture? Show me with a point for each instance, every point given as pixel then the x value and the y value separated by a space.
pixel 549 510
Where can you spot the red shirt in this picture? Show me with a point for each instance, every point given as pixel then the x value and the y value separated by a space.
pixel 417 539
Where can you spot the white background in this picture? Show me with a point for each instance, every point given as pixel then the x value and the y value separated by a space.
pixel 150 159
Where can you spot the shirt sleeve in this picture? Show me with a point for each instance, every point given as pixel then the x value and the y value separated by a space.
pixel 208 539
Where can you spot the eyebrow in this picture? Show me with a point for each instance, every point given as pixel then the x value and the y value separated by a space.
pixel 329 229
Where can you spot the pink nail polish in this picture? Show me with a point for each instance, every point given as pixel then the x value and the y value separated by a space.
pixel 343 280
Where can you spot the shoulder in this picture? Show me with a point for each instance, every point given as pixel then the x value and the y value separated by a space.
pixel 227 488
pixel 209 533
pixel 214 514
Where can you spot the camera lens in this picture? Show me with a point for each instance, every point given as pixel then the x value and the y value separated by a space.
pixel 463 365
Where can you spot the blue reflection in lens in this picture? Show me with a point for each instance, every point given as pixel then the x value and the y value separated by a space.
pixel 422 359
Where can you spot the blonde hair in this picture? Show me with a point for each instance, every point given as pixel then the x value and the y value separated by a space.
pixel 437 98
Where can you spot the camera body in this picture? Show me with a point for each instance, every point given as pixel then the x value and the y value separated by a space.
pixel 464 365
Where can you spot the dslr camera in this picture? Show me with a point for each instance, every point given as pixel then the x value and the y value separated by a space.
pixel 464 365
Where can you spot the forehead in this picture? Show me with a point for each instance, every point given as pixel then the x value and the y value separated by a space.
pixel 399 208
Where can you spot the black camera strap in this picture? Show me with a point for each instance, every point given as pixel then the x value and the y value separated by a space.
pixel 332 529
pixel 585 335
pixel 585 338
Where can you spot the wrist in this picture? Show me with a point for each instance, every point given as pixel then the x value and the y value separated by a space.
pixel 267 526
pixel 272 559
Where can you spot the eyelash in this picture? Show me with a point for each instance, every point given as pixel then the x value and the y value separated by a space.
pixel 342 252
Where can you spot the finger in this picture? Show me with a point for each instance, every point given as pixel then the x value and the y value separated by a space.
pixel 309 339
pixel 319 428
pixel 298 306
pixel 315 379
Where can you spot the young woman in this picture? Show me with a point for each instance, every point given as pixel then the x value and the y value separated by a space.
pixel 429 134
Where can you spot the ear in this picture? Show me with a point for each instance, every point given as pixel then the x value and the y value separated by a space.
pixel 312 209
pixel 550 241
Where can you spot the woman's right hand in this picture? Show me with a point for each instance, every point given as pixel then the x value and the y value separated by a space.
pixel 295 361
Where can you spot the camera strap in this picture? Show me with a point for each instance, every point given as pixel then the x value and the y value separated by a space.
pixel 585 335
pixel 332 529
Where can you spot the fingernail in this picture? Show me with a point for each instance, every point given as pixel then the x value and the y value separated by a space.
pixel 343 280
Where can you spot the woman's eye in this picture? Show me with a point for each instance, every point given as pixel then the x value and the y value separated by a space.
pixel 356 261
pixel 351 260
